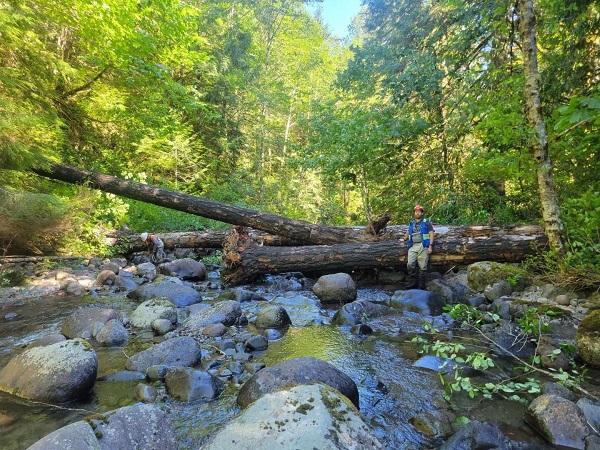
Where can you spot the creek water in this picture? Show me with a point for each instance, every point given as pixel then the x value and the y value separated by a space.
pixel 392 390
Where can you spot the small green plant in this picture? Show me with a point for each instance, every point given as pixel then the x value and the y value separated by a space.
pixel 534 323
pixel 215 259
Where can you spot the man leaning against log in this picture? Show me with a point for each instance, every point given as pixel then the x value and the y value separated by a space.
pixel 419 239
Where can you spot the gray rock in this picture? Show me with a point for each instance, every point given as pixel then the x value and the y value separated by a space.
pixel 10 316
pixel 226 312
pixel 559 390
pixel 359 311
pixel 335 288
pixel 300 417
pixel 75 436
pixel 302 310
pixel 47 340
pixel 591 412
pixel 272 316
pixel 246 295
pixel 549 356
pixel 125 283
pixel 256 343
pixel 558 420
pixel 74 288
pixel 157 372
pixel 563 300
pixel 178 294
pixel 588 338
pixel 186 269
pixel 444 291
pixel 214 330
pixel 162 326
pixel 147 270
pixel 294 372
pixel 145 393
pixel 476 300
pixel 151 310
pixel 478 435
pixel 417 301
pixel 176 352
pixel 510 337
pixel 54 373
pixel 123 375
pixel 113 333
pixel 139 426
pixel 187 385
pixel 441 365
pixel 112 266
pixel 83 322
pixel 496 290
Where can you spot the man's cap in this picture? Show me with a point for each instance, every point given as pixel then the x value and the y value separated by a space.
pixel 417 206
pixel 144 236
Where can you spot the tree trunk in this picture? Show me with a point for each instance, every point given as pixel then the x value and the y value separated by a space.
pixel 245 261
pixel 296 230
pixel 539 146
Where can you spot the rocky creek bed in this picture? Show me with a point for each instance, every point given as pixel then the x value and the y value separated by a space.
pixel 134 356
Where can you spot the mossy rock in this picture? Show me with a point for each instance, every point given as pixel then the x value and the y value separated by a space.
pixel 588 338
pixel 484 273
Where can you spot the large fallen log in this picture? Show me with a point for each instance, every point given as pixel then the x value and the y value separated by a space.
pixel 131 242
pixel 297 230
pixel 245 261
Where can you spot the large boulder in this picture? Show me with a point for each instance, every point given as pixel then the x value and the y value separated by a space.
pixel 86 322
pixel 497 290
pixel 137 426
pixel 417 301
pixel 335 288
pixel 175 352
pixel 299 417
pixel 272 316
pixel 178 294
pixel 484 273
pixel 558 420
pixel 187 385
pixel 359 311
pixel 226 312
pixel 151 310
pixel 186 269
pixel 510 337
pixel 292 373
pixel 75 436
pixel 54 373
pixel 588 338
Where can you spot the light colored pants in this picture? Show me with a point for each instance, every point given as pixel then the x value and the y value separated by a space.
pixel 417 254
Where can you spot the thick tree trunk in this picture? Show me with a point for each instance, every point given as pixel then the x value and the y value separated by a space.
pixel 295 230
pixel 245 261
pixel 548 196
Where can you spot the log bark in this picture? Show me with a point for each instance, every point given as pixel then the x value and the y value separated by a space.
pixel 130 242
pixel 296 230
pixel 244 261
pixel 196 239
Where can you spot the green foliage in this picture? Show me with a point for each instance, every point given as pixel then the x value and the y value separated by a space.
pixel 579 266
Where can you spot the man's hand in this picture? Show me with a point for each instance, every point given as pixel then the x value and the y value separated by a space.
pixel 429 250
